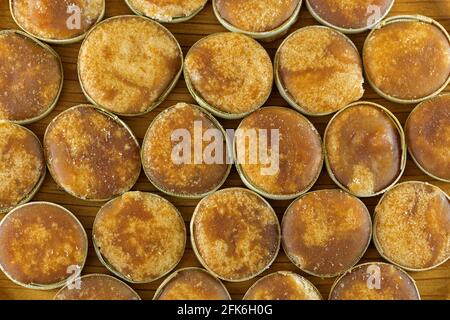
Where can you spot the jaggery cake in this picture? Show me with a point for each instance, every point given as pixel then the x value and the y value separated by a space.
pixel 97 287
pixel 375 281
pixel 427 133
pixel 256 15
pixel 282 285
pixel 91 154
pixel 139 236
pixel 128 64
pixel 412 226
pixel 43 245
pixel 187 175
pixel 364 149
pixel 30 78
pixel 350 14
pixel 61 20
pixel 319 70
pixel 235 234
pixel 167 10
pixel 294 148
pixel 407 60
pixel 326 232
pixel 22 165
pixel 192 284
pixel 229 73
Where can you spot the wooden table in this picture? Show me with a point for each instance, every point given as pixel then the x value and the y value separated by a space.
pixel 434 284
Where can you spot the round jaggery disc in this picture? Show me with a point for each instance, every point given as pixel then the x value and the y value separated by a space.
pixel 326 232
pixel 139 236
pixel 30 78
pixel 375 281
pixel 294 149
pixel 235 234
pixel 22 165
pixel 167 10
pixel 197 169
pixel 230 71
pixel 91 154
pixel 97 287
pixel 428 136
pixel 128 63
pixel 57 20
pixel 282 286
pixel 192 284
pixel 351 14
pixel 256 15
pixel 407 60
pixel 42 245
pixel 364 149
pixel 412 226
pixel 320 69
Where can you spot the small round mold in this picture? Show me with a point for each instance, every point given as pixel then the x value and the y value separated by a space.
pixel 22 165
pixel 172 11
pixel 326 232
pixel 262 20
pixel 140 237
pixel 60 22
pixel 31 77
pixel 195 173
pixel 97 287
pixel 129 64
pixel 349 16
pixel 427 132
pixel 412 226
pixel 365 150
pixel 282 285
pixel 44 246
pixel 375 281
pixel 91 154
pixel 191 284
pixel 235 234
pixel 318 71
pixel 228 74
pixel 406 59
pixel 294 153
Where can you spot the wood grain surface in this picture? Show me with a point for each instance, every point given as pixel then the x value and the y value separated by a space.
pixel 433 284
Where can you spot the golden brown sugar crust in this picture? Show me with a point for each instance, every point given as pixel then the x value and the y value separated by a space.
pixel 408 59
pixel 364 149
pixel 428 136
pixel 235 233
pixel 230 71
pixel 98 287
pixel 193 284
pixel 91 155
pixel 30 78
pixel 167 10
pixel 40 244
pixel 350 14
pixel 127 63
pixel 256 15
pixel 22 164
pixel 359 284
pixel 140 235
pixel 412 225
pixel 326 232
pixel 299 149
pixel 282 286
pixel 50 19
pixel 321 69
pixel 186 179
